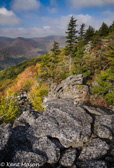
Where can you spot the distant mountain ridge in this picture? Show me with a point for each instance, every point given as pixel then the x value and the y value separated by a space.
pixel 16 50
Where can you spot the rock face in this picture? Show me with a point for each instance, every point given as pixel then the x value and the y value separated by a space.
pixel 65 135
pixel 73 87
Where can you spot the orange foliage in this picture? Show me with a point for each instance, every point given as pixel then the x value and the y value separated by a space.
pixel 25 80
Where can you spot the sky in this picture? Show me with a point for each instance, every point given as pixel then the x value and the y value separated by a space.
pixel 40 18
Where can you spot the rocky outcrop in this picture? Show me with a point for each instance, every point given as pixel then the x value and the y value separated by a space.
pixel 62 136
pixel 67 134
pixel 73 87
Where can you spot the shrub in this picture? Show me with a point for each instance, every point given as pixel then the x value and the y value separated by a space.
pixel 105 88
pixel 110 98
pixel 37 94
pixel 9 109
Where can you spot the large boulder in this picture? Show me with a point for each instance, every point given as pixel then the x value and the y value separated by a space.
pixel 71 125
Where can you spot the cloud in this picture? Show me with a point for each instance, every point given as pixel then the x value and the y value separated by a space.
pixel 29 33
pixel 8 18
pixel 25 5
pixel 89 3
pixel 52 10
pixel 58 26
pixel 96 22
pixel 53 7
pixel 64 20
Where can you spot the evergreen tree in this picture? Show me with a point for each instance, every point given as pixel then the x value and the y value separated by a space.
pixel 71 40
pixel 111 28
pixel 45 67
pixel 55 49
pixel 71 35
pixel 104 30
pixel 49 65
pixel 81 31
pixel 54 61
pixel 89 33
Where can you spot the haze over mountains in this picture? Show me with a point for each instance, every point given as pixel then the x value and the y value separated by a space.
pixel 14 51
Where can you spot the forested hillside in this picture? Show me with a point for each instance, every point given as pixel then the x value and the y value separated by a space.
pixel 87 52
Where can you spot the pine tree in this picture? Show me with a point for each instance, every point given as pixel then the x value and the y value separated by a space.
pixel 111 28
pixel 55 49
pixel 45 67
pixel 49 64
pixel 54 61
pixel 89 33
pixel 81 31
pixel 71 35
pixel 71 39
pixel 104 30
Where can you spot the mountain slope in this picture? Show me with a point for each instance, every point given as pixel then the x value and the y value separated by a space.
pixel 14 51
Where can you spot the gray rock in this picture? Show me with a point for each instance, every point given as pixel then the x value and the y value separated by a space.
pixel 47 148
pixel 96 149
pixel 103 132
pixel 44 126
pixel 71 125
pixel 72 87
pixel 28 159
pixel 93 164
pixel 104 126
pixel 4 137
pixel 26 117
pixel 68 158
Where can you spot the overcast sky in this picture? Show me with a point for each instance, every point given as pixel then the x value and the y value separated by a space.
pixel 39 18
